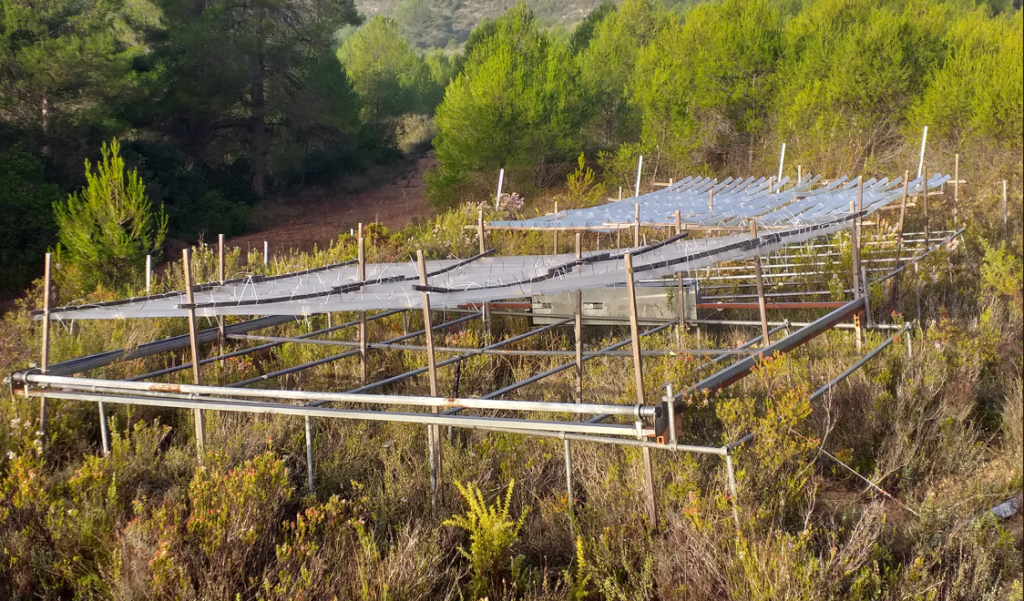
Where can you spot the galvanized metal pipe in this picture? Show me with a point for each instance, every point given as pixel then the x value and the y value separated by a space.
pixel 332 358
pixel 191 390
pixel 856 366
pixel 456 421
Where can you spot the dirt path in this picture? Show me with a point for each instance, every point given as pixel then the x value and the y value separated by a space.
pixel 318 216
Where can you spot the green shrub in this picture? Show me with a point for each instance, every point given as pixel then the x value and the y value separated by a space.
pixel 492 531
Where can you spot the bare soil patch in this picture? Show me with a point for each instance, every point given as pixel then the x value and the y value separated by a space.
pixel 318 215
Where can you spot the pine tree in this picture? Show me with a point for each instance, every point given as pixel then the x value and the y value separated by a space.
pixel 110 226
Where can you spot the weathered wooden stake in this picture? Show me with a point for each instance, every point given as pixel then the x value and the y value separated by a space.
pixel 554 235
pixel 855 258
pixel 711 201
pixel 638 371
pixel 200 416
pixel 433 431
pixel 480 231
pixel 1006 230
pixel 762 304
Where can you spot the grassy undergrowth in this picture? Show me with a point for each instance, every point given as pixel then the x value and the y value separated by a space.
pixel 939 429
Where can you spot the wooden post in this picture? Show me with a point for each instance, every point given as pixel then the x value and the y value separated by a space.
pixel 799 173
pixel 361 256
pixel 638 371
pixel 221 338
pixel 956 192
pixel 765 341
pixel 579 329
pixel 44 355
pixel 554 232
pixel 771 184
pixel 480 231
pixel 1006 230
pixel 200 417
pixel 433 431
pixel 711 201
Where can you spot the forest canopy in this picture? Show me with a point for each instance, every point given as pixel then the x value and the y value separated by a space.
pixel 216 105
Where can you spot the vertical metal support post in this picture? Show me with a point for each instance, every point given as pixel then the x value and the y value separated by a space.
pixel 200 417
pixel 927 234
pixel 636 226
pixel 799 173
pixel 266 254
pixel 782 160
pixel 639 170
pixel 361 244
pixel 903 206
pixel 44 354
pixel 762 304
pixel 149 273
pixel 638 370
pixel 732 491
pixel 571 498
pixel 309 456
pixel 579 332
pixel 917 289
pixel 501 181
pixel 681 326
pixel 221 339
pixel 867 297
pixel 433 431
pixel 956 191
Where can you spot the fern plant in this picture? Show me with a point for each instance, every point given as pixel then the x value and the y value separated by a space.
pixel 492 531
pixel 110 226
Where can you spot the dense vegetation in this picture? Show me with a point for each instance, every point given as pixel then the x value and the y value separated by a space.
pixel 186 114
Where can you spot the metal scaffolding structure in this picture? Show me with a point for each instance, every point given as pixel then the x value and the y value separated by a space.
pixel 470 284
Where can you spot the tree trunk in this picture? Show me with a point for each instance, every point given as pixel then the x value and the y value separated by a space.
pixel 45 116
pixel 258 109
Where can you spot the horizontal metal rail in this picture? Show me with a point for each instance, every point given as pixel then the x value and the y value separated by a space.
pixel 198 392
pixel 261 347
pixel 422 370
pixel 493 350
pixel 742 367
pixel 331 412
pixel 353 353
pixel 860 363
pixel 82 364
